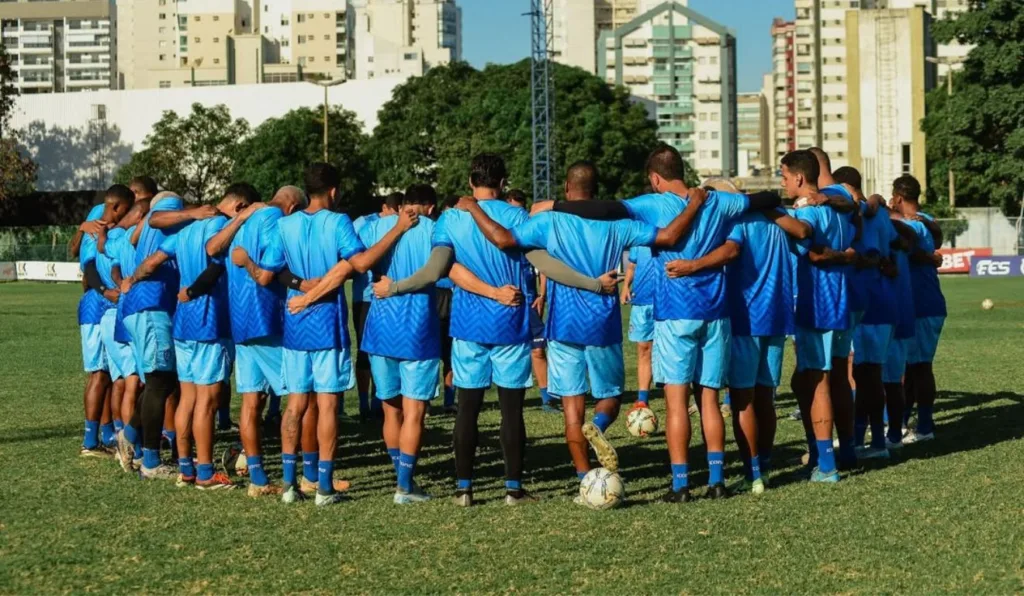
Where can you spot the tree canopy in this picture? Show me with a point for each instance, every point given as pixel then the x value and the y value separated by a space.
pixel 980 128
pixel 17 172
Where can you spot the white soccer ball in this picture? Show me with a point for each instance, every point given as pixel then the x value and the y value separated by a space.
pixel 602 489
pixel 987 304
pixel 641 422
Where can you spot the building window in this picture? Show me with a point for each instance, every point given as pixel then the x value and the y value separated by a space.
pixel 301 18
pixel 163 30
pixel 702 60
pixel 327 37
pixel 327 58
pixel 198 18
pixel 163 16
pixel 410 56
pixel 713 60
pixel 165 84
pixel 312 59
pixel 714 116
pixel 216 18
pixel 703 117
pixel 714 155
pixel 163 43
pixel 216 60
pixel 703 135
pixel 906 158
pixel 301 39
pixel 302 60
pixel 714 135
pixel 285 43
pixel 197 40
pixel 163 57
pixel 703 154
pixel 216 40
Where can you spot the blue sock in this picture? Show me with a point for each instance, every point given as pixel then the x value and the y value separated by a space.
pixel 325 473
pixel 860 429
pixel 150 458
pixel 545 397
pixel 925 420
pixel 92 431
pixel 602 421
pixel 513 485
pixel 406 468
pixel 393 454
pixel 130 434
pixel 107 433
pixel 172 439
pixel 812 448
pixel 118 427
pixel 364 402
pixel 877 434
pixel 643 395
pixel 289 463
pixel 309 461
pixel 204 471
pixel 224 416
pixel 463 484
pixel 846 453
pixel 728 400
pixel 274 409
pixel 716 467
pixel 580 475
pixel 186 467
pixel 449 396
pixel 257 475
pixel 755 468
pixel 680 477
pixel 826 456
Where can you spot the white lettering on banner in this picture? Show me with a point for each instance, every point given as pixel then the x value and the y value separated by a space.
pixel 47 271
pixel 957 260
pixel 987 267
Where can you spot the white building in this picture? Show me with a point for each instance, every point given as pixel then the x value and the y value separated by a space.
pixel 403 37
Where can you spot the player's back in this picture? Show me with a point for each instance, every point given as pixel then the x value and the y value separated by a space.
pixel 905 295
pixel 645 277
pixel 475 318
pixel 257 311
pixel 760 280
pixel 205 317
pixel 362 291
pixel 313 243
pixel 404 326
pixel 159 290
pixel 928 293
pixel 120 249
pixel 94 214
pixel 105 261
pixel 822 295
pixel 881 290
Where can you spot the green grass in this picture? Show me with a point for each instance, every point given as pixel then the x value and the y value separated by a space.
pixel 946 516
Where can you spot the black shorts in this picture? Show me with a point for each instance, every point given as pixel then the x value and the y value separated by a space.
pixel 444 311
pixel 359 312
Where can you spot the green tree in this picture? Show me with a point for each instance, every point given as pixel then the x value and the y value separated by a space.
pixel 192 155
pixel 8 92
pixel 433 126
pixel 980 128
pixel 281 148
pixel 17 172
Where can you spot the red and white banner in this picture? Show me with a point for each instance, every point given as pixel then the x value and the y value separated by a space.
pixel 958 260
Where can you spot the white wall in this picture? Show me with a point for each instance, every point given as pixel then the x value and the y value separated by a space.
pixel 73 153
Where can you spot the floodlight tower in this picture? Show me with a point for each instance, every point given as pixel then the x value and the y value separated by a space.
pixel 542 94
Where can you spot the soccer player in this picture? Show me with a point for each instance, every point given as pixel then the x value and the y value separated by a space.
pixel 929 305
pixel 144 188
pixel 317 242
pixel 92 310
pixel 584 329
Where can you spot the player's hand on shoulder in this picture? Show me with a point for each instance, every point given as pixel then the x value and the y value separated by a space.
pixel 465 203
pixel 382 288
pixel 93 227
pixel 541 207
pixel 252 208
pixel 508 295
pixel 407 219
pixel 239 257
pixel 183 295
pixel 816 200
pixel 609 282
pixel 680 268
pixel 697 196
pixel 204 212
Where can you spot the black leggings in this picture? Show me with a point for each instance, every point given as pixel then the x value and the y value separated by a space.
pixel 513 431
pixel 148 416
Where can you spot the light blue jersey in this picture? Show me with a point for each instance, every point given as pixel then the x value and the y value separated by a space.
pixel 257 311
pixel 645 277
pixel 204 318
pixel 882 307
pixel 760 283
pixel 699 297
pixel 928 299
pixel 94 214
pixel 404 326
pixel 475 318
pixel 362 285
pixel 92 305
pixel 822 292
pixel 159 290
pixel 122 253
pixel 591 248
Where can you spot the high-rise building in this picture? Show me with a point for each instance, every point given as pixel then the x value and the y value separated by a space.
pixel 951 54
pixel 407 37
pixel 67 45
pixel 751 128
pixel 784 85
pixel 768 140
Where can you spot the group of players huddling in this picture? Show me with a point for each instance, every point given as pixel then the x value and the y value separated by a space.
pixel 177 296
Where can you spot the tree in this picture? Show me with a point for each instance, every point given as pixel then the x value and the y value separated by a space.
pixel 280 149
pixel 17 172
pixel 980 128
pixel 433 125
pixel 194 156
pixel 7 89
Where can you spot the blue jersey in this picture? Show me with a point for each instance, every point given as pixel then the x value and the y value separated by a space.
pixel 122 252
pixel 159 291
pixel 699 297
pixel 928 298
pixel 760 280
pixel 105 262
pixel 257 311
pixel 645 277
pixel 445 283
pixel 882 306
pixel 591 248
pixel 94 214
pixel 822 292
pixel 475 318
pixel 857 295
pixel 93 304
pixel 204 318
pixel 362 288
pixel 404 326
pixel 312 245
pixel 904 294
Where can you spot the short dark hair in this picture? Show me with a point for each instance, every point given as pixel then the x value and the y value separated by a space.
pixel 516 196
pixel 848 175
pixel 420 194
pixel 487 170
pixel 802 162
pixel 146 182
pixel 122 193
pixel 907 187
pixel 320 178
pixel 823 157
pixel 394 200
pixel 666 162
pixel 243 190
pixel 449 202
pixel 582 175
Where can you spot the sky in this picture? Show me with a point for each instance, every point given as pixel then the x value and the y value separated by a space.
pixel 496 31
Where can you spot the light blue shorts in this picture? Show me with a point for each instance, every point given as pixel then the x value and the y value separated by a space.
pixel 895 361
pixel 476 366
pixel 756 361
pixel 842 341
pixel 94 357
pixel 641 323
pixel 259 367
pixel 152 344
pixel 323 371
pixel 815 348
pixel 871 344
pixel 204 362
pixel 120 360
pixel 688 351
pixel 575 369
pixel 415 379
pixel 926 340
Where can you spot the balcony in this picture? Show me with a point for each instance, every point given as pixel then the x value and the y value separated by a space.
pixel 677 32
pixel 662 51
pixel 675 127
pixel 34 66
pixel 681 108
pixel 681 145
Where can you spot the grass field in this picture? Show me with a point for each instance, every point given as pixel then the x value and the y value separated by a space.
pixel 946 516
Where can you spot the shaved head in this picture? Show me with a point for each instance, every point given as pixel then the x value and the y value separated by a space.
pixel 581 180
pixel 164 195
pixel 290 198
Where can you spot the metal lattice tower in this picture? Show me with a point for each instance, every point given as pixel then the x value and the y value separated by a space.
pixel 541 89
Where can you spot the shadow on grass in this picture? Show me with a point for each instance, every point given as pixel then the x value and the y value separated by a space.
pixel 30 435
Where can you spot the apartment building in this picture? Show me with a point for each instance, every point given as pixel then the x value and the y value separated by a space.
pixel 404 37
pixel 61 46
pixel 783 104
pixel 752 117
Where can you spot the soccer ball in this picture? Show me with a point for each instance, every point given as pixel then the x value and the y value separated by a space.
pixel 987 304
pixel 641 422
pixel 601 489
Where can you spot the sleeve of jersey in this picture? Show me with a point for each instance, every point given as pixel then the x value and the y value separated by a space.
pixel 731 204
pixel 169 204
pixel 632 257
pixel 801 247
pixel 271 257
pixel 169 246
pixel 736 234
pixel 87 252
pixel 640 234
pixel 441 236
pixel 349 244
pixel 642 209
pixel 216 225
pixel 533 232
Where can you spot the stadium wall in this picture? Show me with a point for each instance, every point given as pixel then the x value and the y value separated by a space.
pixel 79 140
